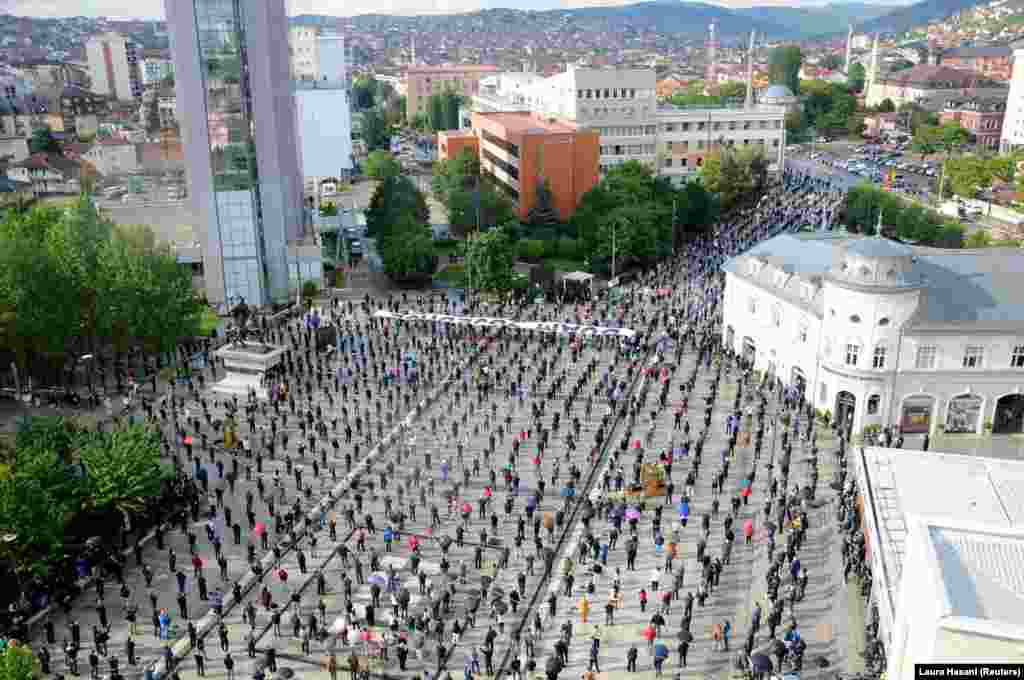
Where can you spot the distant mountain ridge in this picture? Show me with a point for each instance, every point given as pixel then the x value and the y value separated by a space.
pixel 688 19
pixel 905 18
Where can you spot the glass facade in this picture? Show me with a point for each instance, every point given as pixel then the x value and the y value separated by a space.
pixel 220 29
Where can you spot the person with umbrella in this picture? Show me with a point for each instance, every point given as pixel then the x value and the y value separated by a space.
pixel 683 648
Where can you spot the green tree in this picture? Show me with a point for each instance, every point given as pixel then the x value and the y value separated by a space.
pixel 363 93
pixel 856 77
pixel 885 106
pixel 732 89
pixel 917 116
pixel 450 104
pixel 381 164
pixel 784 67
pixel 393 197
pixel 927 140
pixel 376 132
pixel 435 112
pixel 17 662
pixel 123 470
pixel 406 249
pixel 489 259
pixel 43 141
pixel 968 174
pixel 724 173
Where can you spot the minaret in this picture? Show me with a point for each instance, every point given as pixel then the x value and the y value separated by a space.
pixel 749 103
pixel 872 70
pixel 711 50
pixel 849 46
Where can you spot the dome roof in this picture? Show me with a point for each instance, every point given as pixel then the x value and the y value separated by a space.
pixel 876 261
pixel 876 246
pixel 777 92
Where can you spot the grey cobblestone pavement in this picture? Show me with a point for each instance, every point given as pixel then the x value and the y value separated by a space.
pixel 487 473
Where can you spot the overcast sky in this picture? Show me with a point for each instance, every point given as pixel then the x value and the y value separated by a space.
pixel 154 9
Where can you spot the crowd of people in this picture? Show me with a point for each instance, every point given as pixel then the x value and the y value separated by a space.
pixel 424 474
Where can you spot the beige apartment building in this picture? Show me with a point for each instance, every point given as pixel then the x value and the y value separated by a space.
pixel 423 81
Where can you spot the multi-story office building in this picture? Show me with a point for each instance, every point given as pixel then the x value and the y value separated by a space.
pixel 237 115
pixel 521 150
pixel 114 66
pixel 621 105
pixel 686 136
pixel 324 113
pixel 423 81
pixel 304 48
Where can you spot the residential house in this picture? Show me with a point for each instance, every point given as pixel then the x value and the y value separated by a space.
pixel 48 173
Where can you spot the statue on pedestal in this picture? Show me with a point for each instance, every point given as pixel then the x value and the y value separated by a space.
pixel 240 314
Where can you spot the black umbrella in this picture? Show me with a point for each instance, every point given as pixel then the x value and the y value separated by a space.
pixel 761 663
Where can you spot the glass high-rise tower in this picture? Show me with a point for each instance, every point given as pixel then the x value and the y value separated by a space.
pixel 237 112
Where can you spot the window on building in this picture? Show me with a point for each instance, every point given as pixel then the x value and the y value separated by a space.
pixel 746 125
pixel 878 361
pixel 801 333
pixel 823 393
pixel 668 162
pixel 852 353
pixel 926 355
pixel 682 162
pixel 777 316
pixel 700 126
pixel 874 401
pixel 686 127
pixel 973 355
pixel 752 305
pixel 884 321
pixel 1017 357
pixel 716 126
pixel 854 318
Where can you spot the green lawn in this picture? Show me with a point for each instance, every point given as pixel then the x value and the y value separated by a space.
pixel 454 275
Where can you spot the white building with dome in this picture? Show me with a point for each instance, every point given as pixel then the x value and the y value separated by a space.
pixel 881 333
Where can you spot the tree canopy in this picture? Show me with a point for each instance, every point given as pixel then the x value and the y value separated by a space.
pixel 375 130
pixel 734 175
pixel 633 209
pixel 71 282
pixel 59 472
pixel 856 77
pixel 904 220
pixel 784 67
pixel 18 662
pixel 948 137
pixel 489 259
pixel 470 199
pixel 382 164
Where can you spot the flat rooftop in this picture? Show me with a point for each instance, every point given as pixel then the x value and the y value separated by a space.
pixel 526 123
pixel 936 487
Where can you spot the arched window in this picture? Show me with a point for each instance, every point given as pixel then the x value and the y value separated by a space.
pixel 823 396
pixel 874 401
pixel 884 321
pixel 854 318
pixel 878 360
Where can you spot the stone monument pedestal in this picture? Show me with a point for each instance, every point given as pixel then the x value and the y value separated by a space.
pixel 246 366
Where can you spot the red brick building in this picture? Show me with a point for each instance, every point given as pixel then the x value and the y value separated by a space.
pixel 994 63
pixel 519 150
pixel 982 117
